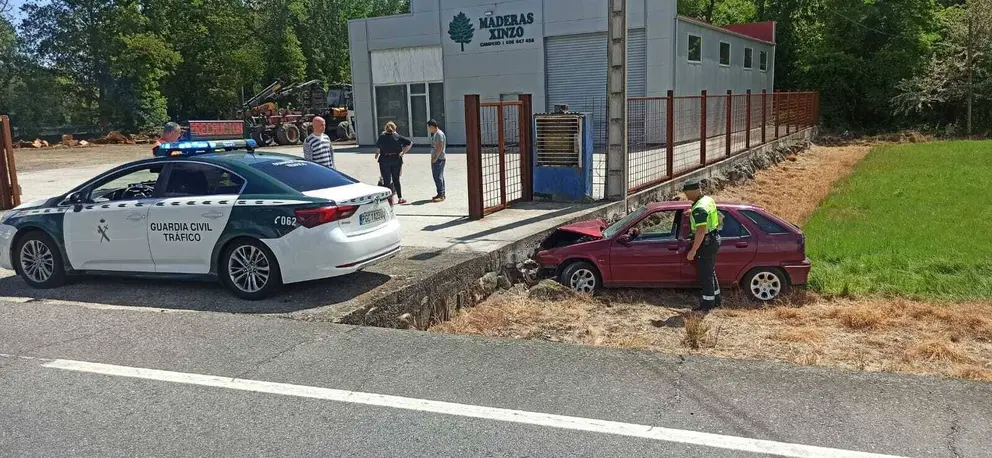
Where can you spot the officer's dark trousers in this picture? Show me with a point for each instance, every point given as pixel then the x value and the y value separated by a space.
pixel 706 272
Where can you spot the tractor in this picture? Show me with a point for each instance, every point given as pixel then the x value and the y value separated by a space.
pixel 267 122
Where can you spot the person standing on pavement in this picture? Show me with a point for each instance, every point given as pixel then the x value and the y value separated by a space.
pixel 705 235
pixel 390 149
pixel 438 144
pixel 170 134
pixel 317 146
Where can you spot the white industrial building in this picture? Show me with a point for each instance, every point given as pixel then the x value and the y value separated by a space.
pixel 414 67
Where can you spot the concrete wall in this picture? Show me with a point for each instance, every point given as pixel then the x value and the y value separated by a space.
pixel 691 78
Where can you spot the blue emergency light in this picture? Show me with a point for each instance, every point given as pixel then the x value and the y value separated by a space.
pixel 192 148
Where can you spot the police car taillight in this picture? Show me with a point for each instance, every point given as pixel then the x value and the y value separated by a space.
pixel 313 217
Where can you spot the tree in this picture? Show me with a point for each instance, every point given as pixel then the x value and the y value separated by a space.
pixel 461 30
pixel 945 90
pixel 139 69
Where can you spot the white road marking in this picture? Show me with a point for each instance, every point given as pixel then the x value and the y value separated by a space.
pixel 742 444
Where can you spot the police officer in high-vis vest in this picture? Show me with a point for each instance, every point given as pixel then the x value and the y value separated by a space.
pixel 705 235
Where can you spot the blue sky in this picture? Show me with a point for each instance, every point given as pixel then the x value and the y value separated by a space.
pixel 15 10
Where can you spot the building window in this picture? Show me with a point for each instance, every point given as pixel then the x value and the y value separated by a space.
pixel 724 54
pixel 695 48
pixel 392 104
pixel 748 58
pixel 410 106
pixel 763 61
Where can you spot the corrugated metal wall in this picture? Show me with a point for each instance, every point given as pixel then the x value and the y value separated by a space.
pixel 575 68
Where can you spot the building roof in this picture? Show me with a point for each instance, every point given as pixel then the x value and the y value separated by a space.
pixel 763 32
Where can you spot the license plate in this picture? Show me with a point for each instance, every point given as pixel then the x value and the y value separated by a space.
pixel 373 216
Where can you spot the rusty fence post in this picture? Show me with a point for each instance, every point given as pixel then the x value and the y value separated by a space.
pixel 764 115
pixel 703 131
pixel 9 169
pixel 776 100
pixel 473 155
pixel 747 121
pixel 789 100
pixel 730 122
pixel 670 134
pixel 816 107
pixel 501 150
pixel 526 147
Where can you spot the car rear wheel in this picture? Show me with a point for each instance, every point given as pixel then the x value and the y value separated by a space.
pixel 38 262
pixel 580 277
pixel 249 269
pixel 765 284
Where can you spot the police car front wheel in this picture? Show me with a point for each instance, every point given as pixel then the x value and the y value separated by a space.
pixel 249 269
pixel 37 260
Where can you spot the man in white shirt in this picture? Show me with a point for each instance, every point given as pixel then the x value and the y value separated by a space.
pixel 438 147
pixel 317 146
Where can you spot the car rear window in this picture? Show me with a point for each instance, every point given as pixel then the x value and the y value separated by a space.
pixel 303 175
pixel 764 223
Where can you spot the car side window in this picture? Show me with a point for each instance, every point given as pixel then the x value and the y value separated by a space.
pixel 188 179
pixel 662 225
pixel 731 228
pixel 765 224
pixel 132 184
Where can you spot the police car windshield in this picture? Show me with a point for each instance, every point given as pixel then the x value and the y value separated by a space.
pixel 303 175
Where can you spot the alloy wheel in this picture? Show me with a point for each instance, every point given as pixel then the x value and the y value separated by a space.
pixel 766 285
pixel 249 268
pixel 583 281
pixel 37 261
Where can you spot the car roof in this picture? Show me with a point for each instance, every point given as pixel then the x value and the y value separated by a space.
pixel 241 158
pixel 685 204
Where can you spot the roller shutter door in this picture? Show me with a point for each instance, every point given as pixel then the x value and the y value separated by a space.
pixel 575 68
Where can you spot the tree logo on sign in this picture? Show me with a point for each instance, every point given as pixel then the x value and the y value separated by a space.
pixel 461 30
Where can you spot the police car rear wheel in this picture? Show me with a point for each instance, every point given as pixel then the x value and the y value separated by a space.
pixel 38 262
pixel 250 270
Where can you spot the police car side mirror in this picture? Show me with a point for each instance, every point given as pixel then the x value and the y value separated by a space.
pixel 75 198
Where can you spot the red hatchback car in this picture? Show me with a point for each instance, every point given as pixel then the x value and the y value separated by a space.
pixel 762 253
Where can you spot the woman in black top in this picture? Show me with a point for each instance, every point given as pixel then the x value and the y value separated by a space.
pixel 390 149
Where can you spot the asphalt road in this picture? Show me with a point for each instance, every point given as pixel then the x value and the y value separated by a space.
pixel 239 385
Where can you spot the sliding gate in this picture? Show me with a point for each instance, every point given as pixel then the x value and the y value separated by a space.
pixel 498 148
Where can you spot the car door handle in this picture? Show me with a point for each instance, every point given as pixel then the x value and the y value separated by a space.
pixel 213 214
pixel 673 246
pixel 136 217
pixel 741 245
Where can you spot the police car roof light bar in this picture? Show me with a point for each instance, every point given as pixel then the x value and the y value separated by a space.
pixel 193 148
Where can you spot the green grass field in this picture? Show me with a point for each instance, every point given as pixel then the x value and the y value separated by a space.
pixel 912 220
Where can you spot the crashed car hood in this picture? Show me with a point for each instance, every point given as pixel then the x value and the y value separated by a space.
pixel 592 228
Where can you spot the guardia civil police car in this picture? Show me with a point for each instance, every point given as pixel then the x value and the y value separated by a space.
pixel 255 220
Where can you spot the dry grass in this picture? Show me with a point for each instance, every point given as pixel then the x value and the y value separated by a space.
pixel 696 331
pixel 861 318
pixel 776 189
pixel 890 335
pixel 936 351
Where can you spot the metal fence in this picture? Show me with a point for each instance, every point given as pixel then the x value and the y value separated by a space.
pixel 498 139
pixel 670 136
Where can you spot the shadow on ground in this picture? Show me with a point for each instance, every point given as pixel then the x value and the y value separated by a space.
pixel 199 295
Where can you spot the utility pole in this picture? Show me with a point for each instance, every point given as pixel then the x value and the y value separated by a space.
pixel 616 103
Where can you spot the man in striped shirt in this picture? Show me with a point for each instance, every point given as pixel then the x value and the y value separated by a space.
pixel 317 146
